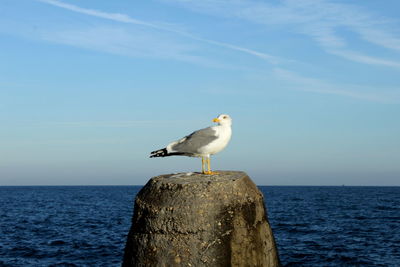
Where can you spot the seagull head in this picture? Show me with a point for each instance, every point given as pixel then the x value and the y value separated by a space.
pixel 223 119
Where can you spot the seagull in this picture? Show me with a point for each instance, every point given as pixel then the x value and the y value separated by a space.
pixel 201 143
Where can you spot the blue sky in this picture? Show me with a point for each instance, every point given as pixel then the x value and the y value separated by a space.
pixel 89 88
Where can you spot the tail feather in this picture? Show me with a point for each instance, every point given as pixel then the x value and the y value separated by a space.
pixel 164 153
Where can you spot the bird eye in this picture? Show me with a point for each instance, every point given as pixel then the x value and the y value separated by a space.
pixel 225 117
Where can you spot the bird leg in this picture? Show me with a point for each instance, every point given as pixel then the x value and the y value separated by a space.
pixel 209 172
pixel 202 165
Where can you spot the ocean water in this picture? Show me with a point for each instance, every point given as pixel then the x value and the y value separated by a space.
pixel 87 225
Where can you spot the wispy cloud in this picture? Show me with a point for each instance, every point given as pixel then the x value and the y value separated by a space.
pixel 382 38
pixel 129 42
pixel 329 24
pixel 298 82
pixel 112 16
pixel 127 19
pixel 319 19
pixel 365 59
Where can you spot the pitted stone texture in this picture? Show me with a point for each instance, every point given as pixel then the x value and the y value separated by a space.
pixel 191 219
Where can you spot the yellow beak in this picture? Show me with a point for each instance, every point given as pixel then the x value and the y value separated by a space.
pixel 216 120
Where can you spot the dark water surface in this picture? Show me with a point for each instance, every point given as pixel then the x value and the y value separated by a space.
pixel 87 225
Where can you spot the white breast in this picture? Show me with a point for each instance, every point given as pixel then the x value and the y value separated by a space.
pixel 224 134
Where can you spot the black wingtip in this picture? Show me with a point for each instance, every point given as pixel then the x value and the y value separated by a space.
pixel 159 153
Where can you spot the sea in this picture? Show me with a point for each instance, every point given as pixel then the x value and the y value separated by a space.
pixel 88 225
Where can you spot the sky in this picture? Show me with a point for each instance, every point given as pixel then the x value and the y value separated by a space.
pixel 89 88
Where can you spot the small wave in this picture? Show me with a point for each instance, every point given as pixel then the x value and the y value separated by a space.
pixel 63 264
pixel 56 243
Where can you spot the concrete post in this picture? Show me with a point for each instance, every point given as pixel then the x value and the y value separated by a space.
pixel 200 220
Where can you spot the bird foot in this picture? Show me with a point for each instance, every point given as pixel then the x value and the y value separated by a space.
pixel 210 173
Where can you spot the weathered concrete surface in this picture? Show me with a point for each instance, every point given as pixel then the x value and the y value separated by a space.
pixel 200 220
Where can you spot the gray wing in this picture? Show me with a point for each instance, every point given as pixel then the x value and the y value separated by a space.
pixel 193 142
